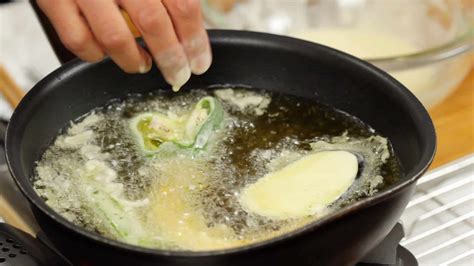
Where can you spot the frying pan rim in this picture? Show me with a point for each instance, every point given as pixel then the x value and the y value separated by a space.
pixel 241 37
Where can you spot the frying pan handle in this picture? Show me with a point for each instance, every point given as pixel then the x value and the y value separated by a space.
pixel 60 50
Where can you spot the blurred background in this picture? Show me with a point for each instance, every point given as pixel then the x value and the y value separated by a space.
pixel 422 43
pixel 425 44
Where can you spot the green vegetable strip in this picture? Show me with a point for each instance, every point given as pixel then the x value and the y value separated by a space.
pixel 119 222
pixel 213 122
pixel 192 130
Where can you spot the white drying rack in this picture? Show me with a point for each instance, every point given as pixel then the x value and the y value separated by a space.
pixel 439 220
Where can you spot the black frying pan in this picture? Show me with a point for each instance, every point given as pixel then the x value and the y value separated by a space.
pixel 257 60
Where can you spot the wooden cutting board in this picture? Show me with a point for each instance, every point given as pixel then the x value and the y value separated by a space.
pixel 454 123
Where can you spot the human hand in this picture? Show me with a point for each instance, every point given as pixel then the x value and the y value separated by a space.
pixel 173 31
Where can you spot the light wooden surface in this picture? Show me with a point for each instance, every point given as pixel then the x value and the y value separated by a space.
pixel 13 218
pixel 9 88
pixel 454 123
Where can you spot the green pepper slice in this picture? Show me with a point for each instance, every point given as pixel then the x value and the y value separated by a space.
pixel 191 130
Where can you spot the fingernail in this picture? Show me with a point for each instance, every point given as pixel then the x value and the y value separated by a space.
pixel 146 66
pixel 143 69
pixel 174 66
pixel 181 77
pixel 199 54
pixel 201 63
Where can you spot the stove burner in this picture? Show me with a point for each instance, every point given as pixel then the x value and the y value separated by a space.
pixel 403 258
pixel 389 252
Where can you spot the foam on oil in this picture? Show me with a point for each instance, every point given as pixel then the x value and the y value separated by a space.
pixel 190 201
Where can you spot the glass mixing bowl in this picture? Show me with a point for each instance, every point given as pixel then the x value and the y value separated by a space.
pixel 425 44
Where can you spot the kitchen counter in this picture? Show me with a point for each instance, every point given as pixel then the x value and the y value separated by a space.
pixel 454 123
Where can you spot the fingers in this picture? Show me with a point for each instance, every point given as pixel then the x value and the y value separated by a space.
pixel 188 23
pixel 156 27
pixel 172 29
pixel 112 33
pixel 72 29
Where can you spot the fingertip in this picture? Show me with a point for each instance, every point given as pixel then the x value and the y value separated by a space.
pixel 177 78
pixel 147 62
pixel 181 77
pixel 201 63
pixel 93 57
pixel 174 66
pixel 143 69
